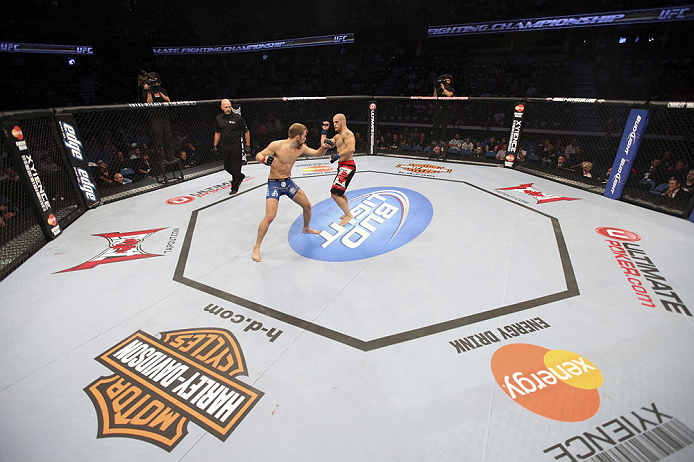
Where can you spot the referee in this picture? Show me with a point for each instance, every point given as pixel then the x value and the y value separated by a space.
pixel 228 129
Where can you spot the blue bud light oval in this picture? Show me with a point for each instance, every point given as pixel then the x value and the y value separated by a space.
pixel 385 218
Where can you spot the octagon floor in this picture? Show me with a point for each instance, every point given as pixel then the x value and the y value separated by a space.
pixel 469 313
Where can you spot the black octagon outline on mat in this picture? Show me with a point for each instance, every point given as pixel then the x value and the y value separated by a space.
pixel 569 277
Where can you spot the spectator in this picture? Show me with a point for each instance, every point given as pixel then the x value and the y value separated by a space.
pixel 548 154
pixel 119 163
pixel 118 178
pixel 587 168
pixel 467 144
pixel 48 165
pixel 134 152
pixel 103 176
pixel 561 162
pixel 501 149
pixel 382 144
pixel 359 142
pixel 185 161
pixel 577 158
pixel 5 214
pixel 675 191
pixel 456 143
pixel 688 184
pixel 655 175
pixel 143 168
pixel 491 145
pixel 394 143
pixel 423 142
pixel 437 153
pixel 521 154
pixel 679 171
pixel 478 150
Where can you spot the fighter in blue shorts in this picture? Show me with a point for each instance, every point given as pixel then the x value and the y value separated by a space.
pixel 280 155
pixel 281 187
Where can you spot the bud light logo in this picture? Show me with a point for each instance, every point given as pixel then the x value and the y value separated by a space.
pixel 384 219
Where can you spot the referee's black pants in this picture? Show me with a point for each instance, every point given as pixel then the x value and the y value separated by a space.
pixel 231 155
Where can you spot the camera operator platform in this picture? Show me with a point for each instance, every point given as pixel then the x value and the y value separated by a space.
pixel 442 88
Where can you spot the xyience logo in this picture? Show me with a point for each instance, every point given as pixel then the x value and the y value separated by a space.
pixel 384 220
pixel 160 384
pixel 539 196
pixel 556 384
pixel 121 247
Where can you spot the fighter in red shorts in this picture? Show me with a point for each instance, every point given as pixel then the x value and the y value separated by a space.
pixel 344 142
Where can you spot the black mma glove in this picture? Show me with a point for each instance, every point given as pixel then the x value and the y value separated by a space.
pixel 268 160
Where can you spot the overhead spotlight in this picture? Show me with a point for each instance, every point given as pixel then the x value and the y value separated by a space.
pixel 71 61
pixel 636 40
pixel 650 38
pixel 622 40
pixel 264 57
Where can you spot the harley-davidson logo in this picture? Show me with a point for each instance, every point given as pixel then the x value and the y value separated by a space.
pixel 161 384
pixel 424 168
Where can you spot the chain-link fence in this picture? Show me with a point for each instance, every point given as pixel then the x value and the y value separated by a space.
pixel 464 129
pixel 569 140
pixel 20 232
pixel 133 140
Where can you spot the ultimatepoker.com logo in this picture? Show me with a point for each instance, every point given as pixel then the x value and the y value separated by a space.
pixel 384 220
pixel 556 384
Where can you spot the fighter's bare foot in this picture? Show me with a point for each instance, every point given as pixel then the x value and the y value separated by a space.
pixel 256 253
pixel 310 231
pixel 346 219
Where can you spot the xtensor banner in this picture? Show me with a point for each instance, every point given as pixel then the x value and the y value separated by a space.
pixel 385 218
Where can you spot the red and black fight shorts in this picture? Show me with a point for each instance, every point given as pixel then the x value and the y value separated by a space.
pixel 345 172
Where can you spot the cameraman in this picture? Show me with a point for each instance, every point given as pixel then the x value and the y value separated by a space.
pixel 228 129
pixel 442 88
pixel 152 92
pixel 159 118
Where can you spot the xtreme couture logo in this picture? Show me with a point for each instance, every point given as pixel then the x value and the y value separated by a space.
pixel 160 384
pixel 384 219
pixel 121 247
pixel 556 384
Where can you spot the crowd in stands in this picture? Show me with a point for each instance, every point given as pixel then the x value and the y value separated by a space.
pixel 391 55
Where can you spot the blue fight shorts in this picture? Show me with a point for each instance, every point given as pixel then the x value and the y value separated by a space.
pixel 281 187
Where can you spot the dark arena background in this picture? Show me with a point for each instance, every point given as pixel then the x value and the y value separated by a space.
pixel 516 283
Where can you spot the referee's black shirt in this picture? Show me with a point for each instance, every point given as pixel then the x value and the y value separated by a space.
pixel 232 127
